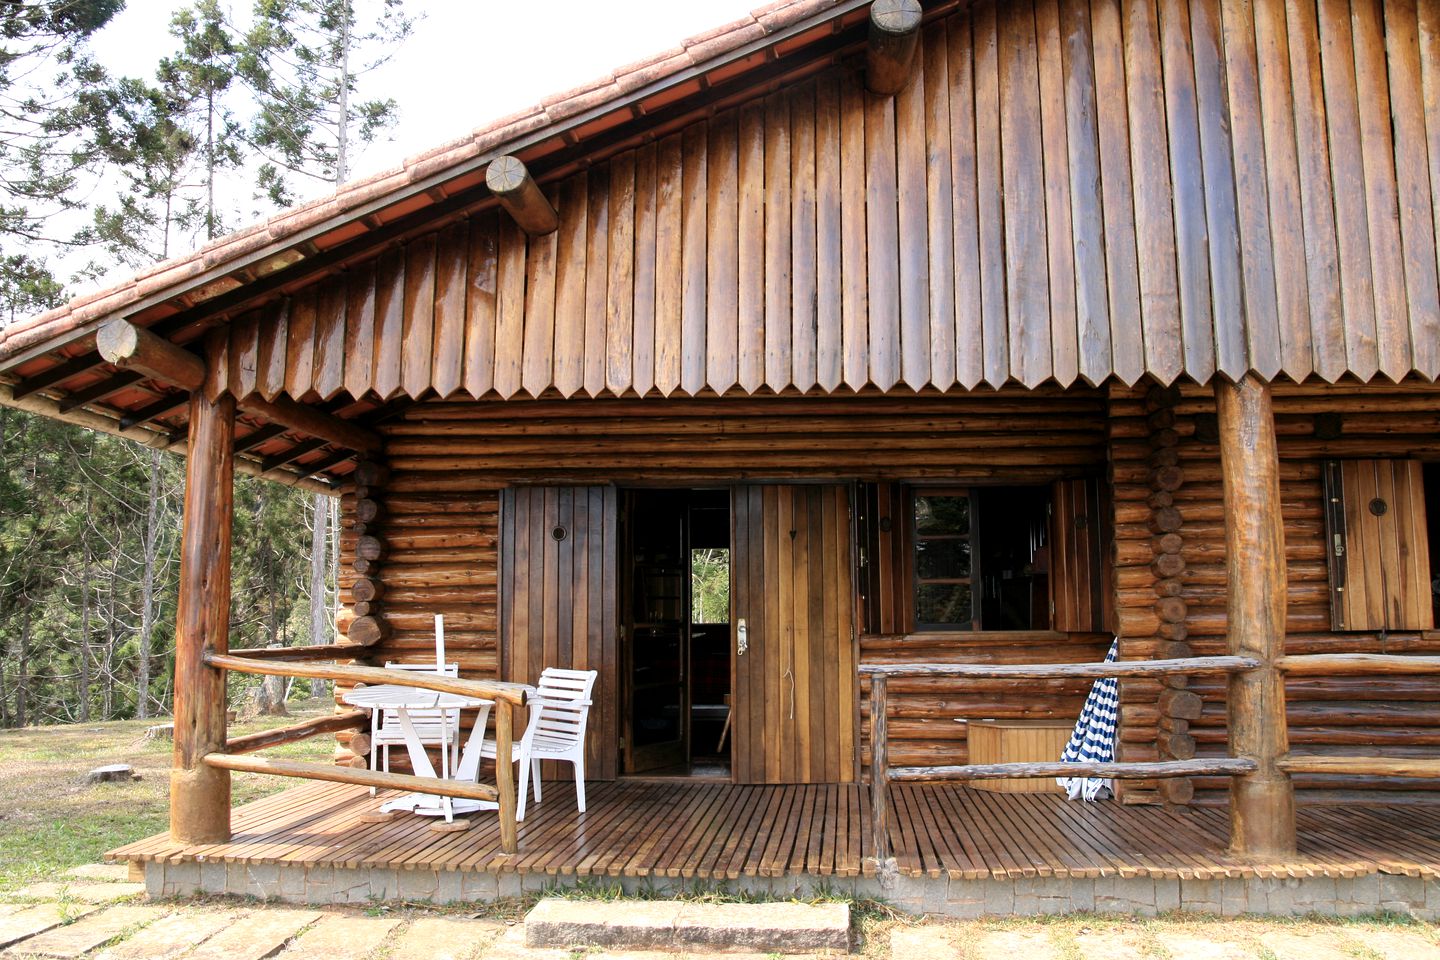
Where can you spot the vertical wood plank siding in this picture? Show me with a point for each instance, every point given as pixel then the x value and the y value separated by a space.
pixel 1068 189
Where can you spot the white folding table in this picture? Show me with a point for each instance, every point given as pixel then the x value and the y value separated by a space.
pixel 404 699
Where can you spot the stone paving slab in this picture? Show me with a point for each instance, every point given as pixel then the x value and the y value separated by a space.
pixel 35 919
pixel 444 938
pixel 763 927
pixel 84 892
pixel 257 936
pixel 84 935
pixel 511 946
pixel 339 935
pixel 1017 945
pixel 1392 944
pixel 100 871
pixel 1184 946
pixel 677 925
pixel 924 943
pixel 171 936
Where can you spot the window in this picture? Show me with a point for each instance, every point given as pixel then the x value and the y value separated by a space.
pixel 944 594
pixel 1380 544
pixel 980 558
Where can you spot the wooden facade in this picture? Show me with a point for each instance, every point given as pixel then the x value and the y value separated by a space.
pixel 1118 320
pixel 1010 216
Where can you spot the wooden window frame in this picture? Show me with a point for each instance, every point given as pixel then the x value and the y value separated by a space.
pixel 912 539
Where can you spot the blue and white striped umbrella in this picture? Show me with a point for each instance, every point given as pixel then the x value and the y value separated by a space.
pixel 1094 737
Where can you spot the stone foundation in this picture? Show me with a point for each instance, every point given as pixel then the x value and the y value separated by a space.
pixel 963 899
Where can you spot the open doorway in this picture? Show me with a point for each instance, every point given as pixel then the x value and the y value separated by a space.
pixel 676 642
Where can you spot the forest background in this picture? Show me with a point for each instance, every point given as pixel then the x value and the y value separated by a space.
pixel 248 111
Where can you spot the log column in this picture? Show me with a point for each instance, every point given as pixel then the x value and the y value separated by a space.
pixel 199 794
pixel 1178 706
pixel 1262 804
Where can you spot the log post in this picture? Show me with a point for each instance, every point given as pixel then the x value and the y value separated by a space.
pixel 518 193
pixel 505 774
pixel 890 50
pixel 879 769
pixel 200 794
pixel 1262 804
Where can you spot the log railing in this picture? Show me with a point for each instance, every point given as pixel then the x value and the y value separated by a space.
pixel 506 696
pixel 881 774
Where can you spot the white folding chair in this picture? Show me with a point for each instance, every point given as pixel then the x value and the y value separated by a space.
pixel 435 727
pixel 559 711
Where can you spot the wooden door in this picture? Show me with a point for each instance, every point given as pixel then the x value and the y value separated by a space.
pixel 558 590
pixel 795 703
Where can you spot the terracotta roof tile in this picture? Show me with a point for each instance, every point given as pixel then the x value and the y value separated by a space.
pixel 726 42
pixel 653 71
pixel 598 84
pixel 356 194
pixel 723 30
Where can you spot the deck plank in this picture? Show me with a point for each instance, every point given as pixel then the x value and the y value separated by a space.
pixel 714 831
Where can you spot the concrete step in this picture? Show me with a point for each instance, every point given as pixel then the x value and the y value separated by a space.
pixel 690 927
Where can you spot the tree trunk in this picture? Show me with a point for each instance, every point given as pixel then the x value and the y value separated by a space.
pixel 22 666
pixel 107 674
pixel 147 589
pixel 319 567
pixel 84 651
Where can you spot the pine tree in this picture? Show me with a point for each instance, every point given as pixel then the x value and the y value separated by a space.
pixel 304 60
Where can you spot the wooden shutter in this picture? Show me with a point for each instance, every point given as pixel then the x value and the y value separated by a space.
pixel 1378 552
pixel 795 701
pixel 558 601
pixel 1080 564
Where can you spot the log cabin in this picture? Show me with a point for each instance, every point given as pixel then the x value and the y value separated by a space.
pixel 963 338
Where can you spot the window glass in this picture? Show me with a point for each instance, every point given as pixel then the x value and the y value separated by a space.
pixel 710 585
pixel 944 597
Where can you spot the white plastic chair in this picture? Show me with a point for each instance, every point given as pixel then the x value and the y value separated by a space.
pixel 436 727
pixel 559 711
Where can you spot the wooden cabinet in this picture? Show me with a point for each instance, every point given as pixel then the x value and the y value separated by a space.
pixel 1013 741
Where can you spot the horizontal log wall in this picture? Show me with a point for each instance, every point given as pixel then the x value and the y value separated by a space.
pixel 1389 716
pixel 1019 435
pixel 1065 190
pixel 441 548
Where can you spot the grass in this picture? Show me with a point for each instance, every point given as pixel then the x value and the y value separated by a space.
pixel 51 819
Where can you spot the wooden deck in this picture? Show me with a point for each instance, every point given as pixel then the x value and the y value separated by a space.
pixel 719 831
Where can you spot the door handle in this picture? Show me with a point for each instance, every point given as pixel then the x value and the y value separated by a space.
pixel 742 638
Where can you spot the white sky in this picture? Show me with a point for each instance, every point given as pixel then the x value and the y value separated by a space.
pixel 469 61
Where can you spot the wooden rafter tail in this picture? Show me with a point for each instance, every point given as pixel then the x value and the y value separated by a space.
pixel 295 732
pixel 890 50
pixel 129 347
pixel 364 778
pixel 296 416
pixel 518 193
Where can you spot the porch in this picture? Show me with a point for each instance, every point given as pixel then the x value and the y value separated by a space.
pixel 957 849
